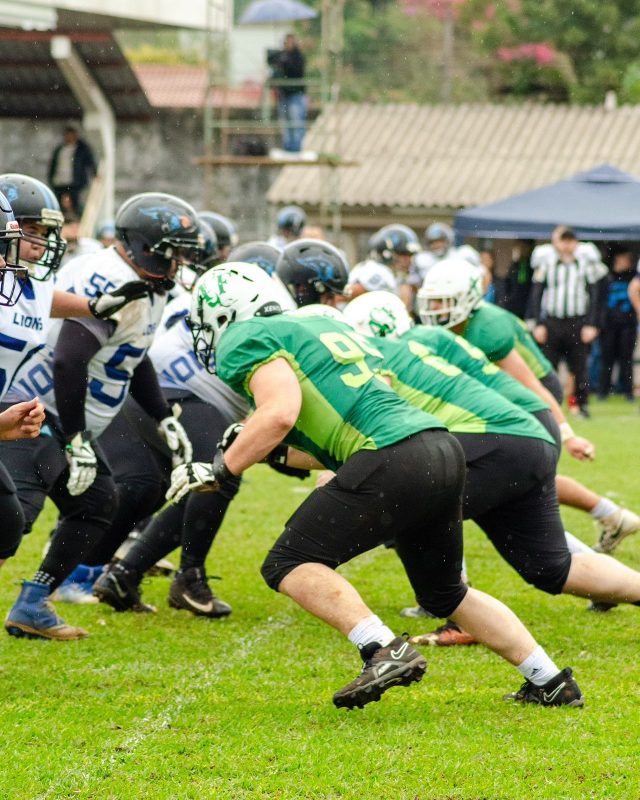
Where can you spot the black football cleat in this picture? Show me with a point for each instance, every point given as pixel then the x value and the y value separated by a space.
pixel 397 664
pixel 120 588
pixel 190 591
pixel 561 690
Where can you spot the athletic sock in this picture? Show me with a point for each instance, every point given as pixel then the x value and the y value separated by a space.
pixel 43 578
pixel 604 508
pixel 538 667
pixel 371 629
pixel 575 545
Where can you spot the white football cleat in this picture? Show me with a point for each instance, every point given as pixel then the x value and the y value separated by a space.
pixel 615 528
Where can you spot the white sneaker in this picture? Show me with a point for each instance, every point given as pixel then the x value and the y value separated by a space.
pixel 73 593
pixel 614 528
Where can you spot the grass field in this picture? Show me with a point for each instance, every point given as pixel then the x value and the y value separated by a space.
pixel 170 706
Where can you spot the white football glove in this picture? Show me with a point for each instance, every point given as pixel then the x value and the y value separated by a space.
pixel 107 304
pixel 230 435
pixel 83 464
pixel 197 476
pixel 176 438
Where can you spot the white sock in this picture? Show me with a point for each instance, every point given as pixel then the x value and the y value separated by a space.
pixel 371 629
pixel 538 667
pixel 575 545
pixel 603 508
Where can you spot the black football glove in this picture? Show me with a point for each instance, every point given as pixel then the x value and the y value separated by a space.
pixel 106 305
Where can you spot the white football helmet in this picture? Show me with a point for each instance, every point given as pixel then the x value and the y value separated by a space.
pixel 229 292
pixel 318 310
pixel 450 292
pixel 378 314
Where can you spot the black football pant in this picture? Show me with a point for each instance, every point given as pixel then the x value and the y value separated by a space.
pixel 510 493
pixel 564 344
pixel 194 522
pixel 11 515
pixel 409 491
pixel 39 470
pixel 617 342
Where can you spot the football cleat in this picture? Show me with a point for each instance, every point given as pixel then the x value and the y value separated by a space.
pixel 74 593
pixel 561 690
pixel 190 591
pixel 162 568
pixel 396 664
pixel 601 606
pixel 120 588
pixel 33 617
pixel 447 635
pixel 615 528
pixel 415 612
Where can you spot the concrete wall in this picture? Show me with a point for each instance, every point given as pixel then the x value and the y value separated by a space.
pixel 154 155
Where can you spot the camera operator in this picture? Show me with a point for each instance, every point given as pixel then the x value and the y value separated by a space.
pixel 288 64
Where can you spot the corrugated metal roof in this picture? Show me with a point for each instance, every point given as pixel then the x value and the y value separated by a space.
pixel 454 156
pixel 32 84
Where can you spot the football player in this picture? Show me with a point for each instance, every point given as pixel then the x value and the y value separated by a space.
pixel 311 387
pixel 451 296
pixel 83 376
pixel 290 223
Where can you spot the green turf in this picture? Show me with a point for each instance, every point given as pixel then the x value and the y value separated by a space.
pixel 171 706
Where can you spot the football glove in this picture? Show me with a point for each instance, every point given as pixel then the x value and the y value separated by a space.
pixel 176 438
pixel 198 476
pixel 83 464
pixel 106 305
pixel 229 436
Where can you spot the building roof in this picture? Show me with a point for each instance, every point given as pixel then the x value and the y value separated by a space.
pixel 184 86
pixel 426 157
pixel 33 85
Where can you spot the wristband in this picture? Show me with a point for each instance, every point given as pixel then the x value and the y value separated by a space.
pixel 220 470
pixel 566 432
pixel 278 455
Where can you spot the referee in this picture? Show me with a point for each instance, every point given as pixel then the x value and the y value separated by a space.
pixel 565 301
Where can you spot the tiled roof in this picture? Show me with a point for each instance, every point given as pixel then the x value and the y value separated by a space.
pixel 184 86
pixel 453 156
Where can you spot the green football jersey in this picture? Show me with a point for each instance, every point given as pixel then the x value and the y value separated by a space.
pixel 442 389
pixel 497 331
pixel 346 406
pixel 473 362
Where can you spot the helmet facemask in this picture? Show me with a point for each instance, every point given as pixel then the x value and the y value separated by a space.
pixel 12 274
pixel 51 243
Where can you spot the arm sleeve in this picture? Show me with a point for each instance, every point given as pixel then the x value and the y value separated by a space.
pixel 535 301
pixel 146 391
pixel 75 348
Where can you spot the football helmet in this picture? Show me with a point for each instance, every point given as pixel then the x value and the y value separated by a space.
pixel 393 240
pixel 230 292
pixel 157 229
pixel 318 310
pixel 437 232
pixel 199 259
pixel 291 219
pixel 34 202
pixel 12 275
pixel 378 314
pixel 310 268
pixel 223 227
pixel 264 255
pixel 450 292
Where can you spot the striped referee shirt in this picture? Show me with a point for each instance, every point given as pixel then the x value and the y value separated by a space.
pixel 566 283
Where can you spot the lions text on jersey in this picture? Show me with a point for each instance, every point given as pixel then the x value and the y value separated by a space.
pixel 23 330
pixel 178 367
pixel 111 369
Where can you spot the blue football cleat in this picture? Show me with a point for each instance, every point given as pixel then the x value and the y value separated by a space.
pixel 32 616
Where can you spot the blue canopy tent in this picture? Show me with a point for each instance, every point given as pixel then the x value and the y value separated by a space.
pixel 600 204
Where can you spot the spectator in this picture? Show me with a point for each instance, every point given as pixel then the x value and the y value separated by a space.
pixel 488 261
pixel 565 303
pixel 618 337
pixel 71 168
pixel 513 291
pixel 292 98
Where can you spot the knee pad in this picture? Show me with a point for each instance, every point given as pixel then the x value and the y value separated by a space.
pixel 441 603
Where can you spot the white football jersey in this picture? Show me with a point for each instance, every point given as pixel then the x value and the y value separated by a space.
pixel 111 369
pixel 23 330
pixel 179 368
pixel 373 276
